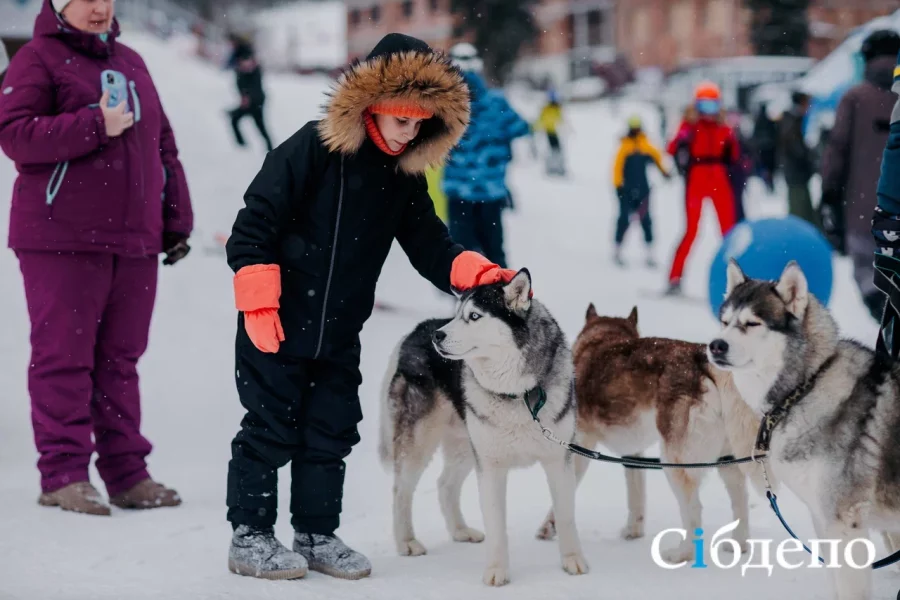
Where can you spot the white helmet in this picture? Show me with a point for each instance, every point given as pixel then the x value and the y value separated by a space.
pixel 465 56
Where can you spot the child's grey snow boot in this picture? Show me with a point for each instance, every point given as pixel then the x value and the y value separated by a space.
pixel 258 553
pixel 329 555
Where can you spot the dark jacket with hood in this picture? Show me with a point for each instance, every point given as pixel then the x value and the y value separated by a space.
pixel 248 74
pixel 328 204
pixel 795 156
pixel 851 163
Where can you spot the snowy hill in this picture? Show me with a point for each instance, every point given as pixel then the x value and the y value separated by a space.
pixel 561 231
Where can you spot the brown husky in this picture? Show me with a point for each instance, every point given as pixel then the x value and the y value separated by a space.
pixel 633 392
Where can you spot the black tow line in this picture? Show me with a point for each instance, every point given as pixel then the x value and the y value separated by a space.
pixel 629 462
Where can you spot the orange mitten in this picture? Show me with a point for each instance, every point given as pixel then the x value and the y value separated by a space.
pixel 471 269
pixel 257 289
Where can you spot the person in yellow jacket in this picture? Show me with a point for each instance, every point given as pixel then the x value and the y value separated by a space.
pixel 434 176
pixel 635 154
pixel 549 120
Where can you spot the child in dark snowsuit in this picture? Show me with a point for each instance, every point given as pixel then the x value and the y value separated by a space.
pixel 307 249
pixel 635 154
pixel 248 77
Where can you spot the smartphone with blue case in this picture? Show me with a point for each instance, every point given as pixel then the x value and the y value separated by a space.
pixel 117 85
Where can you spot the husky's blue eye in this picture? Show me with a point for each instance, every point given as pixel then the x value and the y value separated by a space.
pixel 474 316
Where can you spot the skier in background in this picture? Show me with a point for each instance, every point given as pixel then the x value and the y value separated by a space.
pixel 550 120
pixel 710 147
pixel 765 144
pixel 248 76
pixel 796 159
pixel 739 171
pixel 635 154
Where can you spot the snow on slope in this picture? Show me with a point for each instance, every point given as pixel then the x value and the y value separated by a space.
pixel 561 231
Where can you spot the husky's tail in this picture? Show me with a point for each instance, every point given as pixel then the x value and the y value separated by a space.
pixel 386 427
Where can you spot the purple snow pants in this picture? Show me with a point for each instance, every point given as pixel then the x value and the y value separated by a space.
pixel 90 320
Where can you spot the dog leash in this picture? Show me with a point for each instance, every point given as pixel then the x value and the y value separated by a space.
pixel 773 502
pixel 633 462
pixel 763 440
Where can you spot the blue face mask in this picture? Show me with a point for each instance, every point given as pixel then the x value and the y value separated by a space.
pixel 708 107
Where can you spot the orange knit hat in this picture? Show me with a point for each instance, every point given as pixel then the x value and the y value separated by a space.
pixel 409 110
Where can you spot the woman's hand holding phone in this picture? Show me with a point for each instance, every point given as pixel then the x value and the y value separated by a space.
pixel 115 119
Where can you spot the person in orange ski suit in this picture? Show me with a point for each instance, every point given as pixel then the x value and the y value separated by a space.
pixel 703 148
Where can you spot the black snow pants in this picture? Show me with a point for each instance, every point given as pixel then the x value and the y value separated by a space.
pixel 299 411
pixel 256 113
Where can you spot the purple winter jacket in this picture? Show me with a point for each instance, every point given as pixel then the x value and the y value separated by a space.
pixel 77 189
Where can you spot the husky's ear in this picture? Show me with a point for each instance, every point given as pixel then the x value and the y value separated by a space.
pixel 591 312
pixel 734 276
pixel 517 292
pixel 633 316
pixel 793 289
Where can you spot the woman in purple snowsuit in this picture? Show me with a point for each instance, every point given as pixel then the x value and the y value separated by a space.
pixel 100 194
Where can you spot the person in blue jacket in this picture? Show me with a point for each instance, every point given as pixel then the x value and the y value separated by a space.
pixel 886 230
pixel 475 174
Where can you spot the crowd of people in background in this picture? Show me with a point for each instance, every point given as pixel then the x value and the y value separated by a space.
pixel 717 161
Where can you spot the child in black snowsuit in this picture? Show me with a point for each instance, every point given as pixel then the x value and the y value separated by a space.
pixel 307 249
pixel 248 78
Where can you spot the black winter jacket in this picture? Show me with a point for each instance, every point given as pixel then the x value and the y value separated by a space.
pixel 327 205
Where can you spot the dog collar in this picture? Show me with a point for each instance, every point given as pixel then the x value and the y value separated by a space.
pixel 534 406
pixel 776 415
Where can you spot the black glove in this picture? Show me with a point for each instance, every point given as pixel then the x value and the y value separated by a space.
pixel 175 246
pixel 831 214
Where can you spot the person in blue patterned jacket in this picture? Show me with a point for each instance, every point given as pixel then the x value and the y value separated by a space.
pixel 475 174
pixel 886 230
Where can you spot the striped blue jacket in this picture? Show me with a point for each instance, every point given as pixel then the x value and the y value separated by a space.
pixel 476 167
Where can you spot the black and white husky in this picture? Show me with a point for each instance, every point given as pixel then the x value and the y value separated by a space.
pixel 836 440
pixel 459 383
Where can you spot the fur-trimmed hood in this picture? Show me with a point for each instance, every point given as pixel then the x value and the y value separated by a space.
pixel 412 73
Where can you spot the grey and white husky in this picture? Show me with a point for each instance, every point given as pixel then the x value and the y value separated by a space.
pixel 459 383
pixel 836 443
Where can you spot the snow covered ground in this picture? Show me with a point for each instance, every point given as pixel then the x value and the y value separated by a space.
pixel 561 232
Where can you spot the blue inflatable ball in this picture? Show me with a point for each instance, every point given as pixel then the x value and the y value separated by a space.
pixel 763 248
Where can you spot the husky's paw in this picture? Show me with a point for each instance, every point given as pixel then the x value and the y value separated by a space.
pixel 633 531
pixel 411 548
pixel 679 554
pixel 467 534
pixel 547 531
pixel 575 564
pixel 496 576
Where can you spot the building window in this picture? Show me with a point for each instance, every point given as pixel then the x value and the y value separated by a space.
pixel 596 28
pixel 640 27
pixel 355 17
pixel 376 13
pixel 717 16
pixel 682 23
pixel 435 5
pixel 408 7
